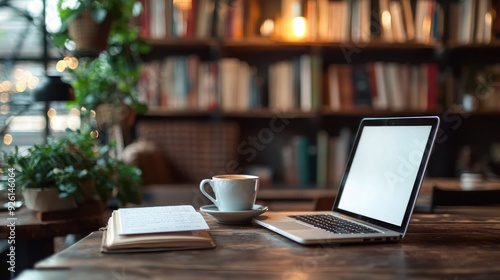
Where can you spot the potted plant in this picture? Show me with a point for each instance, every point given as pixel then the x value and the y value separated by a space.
pixel 109 76
pixel 71 169
pixel 106 83
pixel 88 23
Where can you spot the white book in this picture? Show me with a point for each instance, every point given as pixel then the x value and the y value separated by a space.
pixel 157 22
pixel 228 83
pixel 305 83
pixel 382 98
pixel 203 84
pixel 482 10
pixel 365 20
pixel 398 31
pixel 466 11
pixel 393 85
pixel 286 95
pixel 333 87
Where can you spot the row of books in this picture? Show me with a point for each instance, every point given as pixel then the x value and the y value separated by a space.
pixel 321 164
pixel 179 83
pixel 186 83
pixel 362 20
pixel 473 21
pixel 191 18
pixel 382 86
pixel 334 21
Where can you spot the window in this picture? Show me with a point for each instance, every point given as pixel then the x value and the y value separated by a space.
pixel 22 68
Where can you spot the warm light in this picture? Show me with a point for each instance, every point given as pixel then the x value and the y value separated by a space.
pixel 83 109
pixel 21 86
pixel 94 134
pixel 18 74
pixel 72 63
pixel 60 66
pixel 183 4
pixel 32 82
pixel 4 97
pixel 267 28
pixel 92 113
pixel 51 112
pixel 386 18
pixel 58 123
pixel 299 27
pixel 426 27
pixel 386 25
pixel 74 122
pixel 488 19
pixel 4 109
pixel 74 112
pixel 6 85
pixel 7 139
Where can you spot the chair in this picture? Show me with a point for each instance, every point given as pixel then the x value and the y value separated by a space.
pixel 193 150
pixel 449 197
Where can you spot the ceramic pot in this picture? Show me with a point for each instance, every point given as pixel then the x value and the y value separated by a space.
pixel 89 36
pixel 47 200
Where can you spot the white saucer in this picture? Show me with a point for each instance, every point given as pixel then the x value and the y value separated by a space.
pixel 233 217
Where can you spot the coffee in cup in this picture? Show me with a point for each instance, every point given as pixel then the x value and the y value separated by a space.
pixel 232 192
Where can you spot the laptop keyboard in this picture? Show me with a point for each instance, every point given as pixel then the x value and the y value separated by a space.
pixel 333 224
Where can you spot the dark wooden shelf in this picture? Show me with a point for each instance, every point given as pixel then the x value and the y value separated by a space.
pixel 269 113
pixel 333 52
pixel 250 113
pixel 481 54
pixel 368 112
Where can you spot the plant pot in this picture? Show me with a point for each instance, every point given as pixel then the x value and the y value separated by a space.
pixel 47 200
pixel 89 36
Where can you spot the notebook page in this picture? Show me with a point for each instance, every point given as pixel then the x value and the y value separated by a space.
pixel 156 219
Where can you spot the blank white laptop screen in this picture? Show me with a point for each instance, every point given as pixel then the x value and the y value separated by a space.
pixel 383 172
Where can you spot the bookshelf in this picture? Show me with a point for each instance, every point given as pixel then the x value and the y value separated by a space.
pixel 416 59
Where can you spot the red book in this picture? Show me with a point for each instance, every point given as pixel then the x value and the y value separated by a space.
pixel 144 20
pixel 432 86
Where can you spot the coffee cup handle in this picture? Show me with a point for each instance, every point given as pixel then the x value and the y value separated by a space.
pixel 202 189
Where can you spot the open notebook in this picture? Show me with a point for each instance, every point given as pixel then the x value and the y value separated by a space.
pixel 157 228
pixel 378 190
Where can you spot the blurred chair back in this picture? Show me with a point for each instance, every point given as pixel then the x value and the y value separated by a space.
pixel 193 150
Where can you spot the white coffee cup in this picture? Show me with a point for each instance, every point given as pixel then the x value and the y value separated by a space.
pixel 232 192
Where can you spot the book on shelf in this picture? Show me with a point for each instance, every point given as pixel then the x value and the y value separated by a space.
pixel 381 86
pixel 158 228
pixel 330 21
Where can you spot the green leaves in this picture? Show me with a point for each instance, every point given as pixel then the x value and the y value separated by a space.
pixel 112 76
pixel 68 163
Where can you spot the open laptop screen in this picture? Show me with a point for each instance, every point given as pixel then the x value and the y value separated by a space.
pixel 381 177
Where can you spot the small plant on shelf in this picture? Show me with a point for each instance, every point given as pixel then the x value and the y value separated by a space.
pixel 107 75
pixel 78 167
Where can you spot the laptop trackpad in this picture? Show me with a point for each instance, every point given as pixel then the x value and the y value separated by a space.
pixel 290 225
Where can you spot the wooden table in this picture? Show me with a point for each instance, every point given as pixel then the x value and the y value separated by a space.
pixel 440 246
pixel 34 239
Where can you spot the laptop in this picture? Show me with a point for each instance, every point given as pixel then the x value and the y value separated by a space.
pixel 378 189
